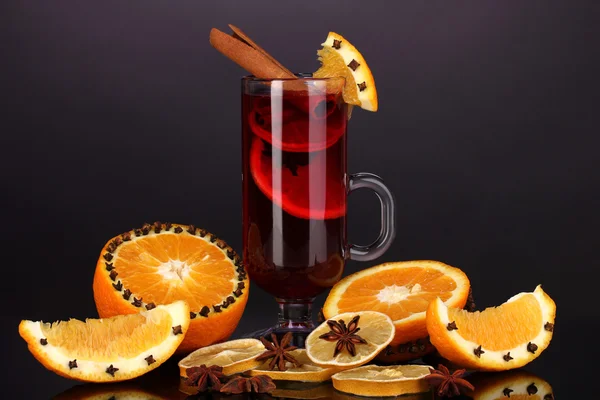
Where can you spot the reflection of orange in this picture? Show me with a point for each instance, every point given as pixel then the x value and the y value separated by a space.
pixel 516 385
pixel 402 290
pixel 327 274
pixel 161 263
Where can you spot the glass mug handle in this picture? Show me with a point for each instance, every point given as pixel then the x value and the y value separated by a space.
pixel 388 217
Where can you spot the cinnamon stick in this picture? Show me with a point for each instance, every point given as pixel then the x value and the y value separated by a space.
pixel 257 62
pixel 238 34
pixel 242 50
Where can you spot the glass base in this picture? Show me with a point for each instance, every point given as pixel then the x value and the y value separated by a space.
pixel 295 316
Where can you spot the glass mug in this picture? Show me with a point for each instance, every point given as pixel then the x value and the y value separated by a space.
pixel 295 187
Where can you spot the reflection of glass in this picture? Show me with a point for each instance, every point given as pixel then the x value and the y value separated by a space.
pixel 295 186
pixel 516 384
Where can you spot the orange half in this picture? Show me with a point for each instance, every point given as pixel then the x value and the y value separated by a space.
pixel 162 263
pixel 402 291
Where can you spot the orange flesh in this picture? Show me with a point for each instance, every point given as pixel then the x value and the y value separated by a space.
pixel 169 267
pixel 503 327
pixel 110 338
pixel 363 293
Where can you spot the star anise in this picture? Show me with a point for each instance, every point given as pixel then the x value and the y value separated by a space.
pixel 345 336
pixel 204 377
pixel 448 384
pixel 242 384
pixel 278 352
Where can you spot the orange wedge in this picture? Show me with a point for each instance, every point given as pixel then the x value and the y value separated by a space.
pixel 501 338
pixel 111 349
pixel 340 58
pixel 401 290
pixel 161 263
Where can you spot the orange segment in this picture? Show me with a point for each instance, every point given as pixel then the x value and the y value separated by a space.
pixel 403 291
pixel 501 338
pixel 164 263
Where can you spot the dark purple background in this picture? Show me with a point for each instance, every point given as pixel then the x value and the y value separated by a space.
pixel 119 113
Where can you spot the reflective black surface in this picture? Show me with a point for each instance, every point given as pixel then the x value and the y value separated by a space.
pixel 162 384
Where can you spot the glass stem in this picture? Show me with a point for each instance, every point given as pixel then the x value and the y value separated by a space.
pixel 295 314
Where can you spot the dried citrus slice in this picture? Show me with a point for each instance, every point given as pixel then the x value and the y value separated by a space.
pixel 402 290
pixel 308 371
pixel 372 380
pixel 111 349
pixel 363 333
pixel 514 385
pixel 162 263
pixel 234 356
pixel 500 338
pixel 340 58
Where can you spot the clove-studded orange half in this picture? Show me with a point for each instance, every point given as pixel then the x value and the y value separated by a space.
pixel 161 263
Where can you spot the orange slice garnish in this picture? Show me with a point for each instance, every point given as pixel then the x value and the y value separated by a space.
pixel 340 58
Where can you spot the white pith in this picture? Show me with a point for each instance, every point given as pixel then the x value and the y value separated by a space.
pixel 393 294
pixel 175 270
pixel 90 370
pixel 348 55
pixel 494 359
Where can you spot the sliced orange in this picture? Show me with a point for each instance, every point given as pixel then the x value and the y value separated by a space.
pixel 513 385
pixel 111 349
pixel 234 356
pixel 340 58
pixel 500 338
pixel 328 274
pixel 307 371
pixel 373 380
pixel 402 290
pixel 375 330
pixel 162 263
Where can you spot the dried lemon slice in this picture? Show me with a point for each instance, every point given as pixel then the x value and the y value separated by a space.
pixel 340 58
pixel 372 380
pixel 308 371
pixel 350 339
pixel 234 356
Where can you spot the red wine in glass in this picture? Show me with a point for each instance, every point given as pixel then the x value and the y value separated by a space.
pixel 295 187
